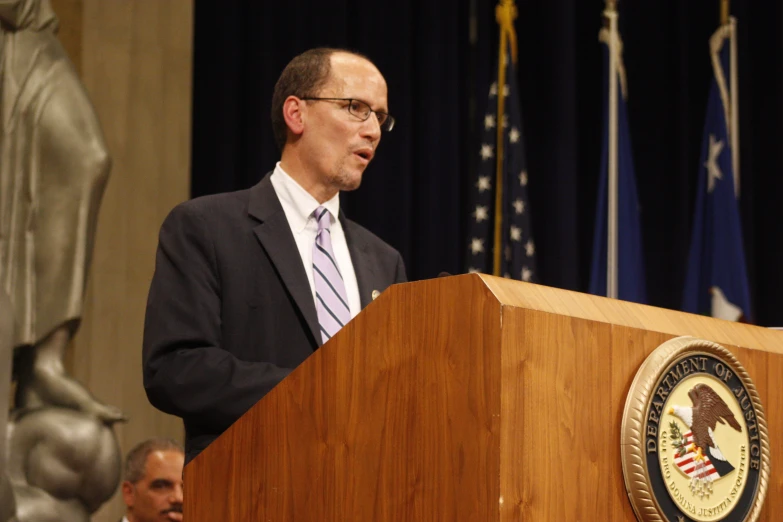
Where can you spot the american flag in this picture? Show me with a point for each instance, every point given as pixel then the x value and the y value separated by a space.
pixel 518 255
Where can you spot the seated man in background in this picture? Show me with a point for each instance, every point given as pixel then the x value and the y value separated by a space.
pixel 152 487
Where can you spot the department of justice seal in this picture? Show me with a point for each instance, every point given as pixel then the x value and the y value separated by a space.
pixel 694 439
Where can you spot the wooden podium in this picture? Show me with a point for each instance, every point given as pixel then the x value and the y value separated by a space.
pixel 466 398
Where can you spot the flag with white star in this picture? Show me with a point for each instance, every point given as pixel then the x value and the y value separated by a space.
pixel 518 257
pixel 716 282
pixel 630 257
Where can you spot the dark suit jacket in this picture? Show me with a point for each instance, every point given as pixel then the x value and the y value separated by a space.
pixel 230 311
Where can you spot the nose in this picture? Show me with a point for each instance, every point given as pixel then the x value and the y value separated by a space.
pixel 371 129
pixel 176 495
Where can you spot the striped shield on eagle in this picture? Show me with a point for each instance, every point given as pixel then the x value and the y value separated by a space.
pixel 698 455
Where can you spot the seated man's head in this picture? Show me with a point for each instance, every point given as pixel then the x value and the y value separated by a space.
pixel 152 488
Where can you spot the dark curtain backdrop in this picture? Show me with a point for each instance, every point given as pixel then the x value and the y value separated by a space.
pixel 437 58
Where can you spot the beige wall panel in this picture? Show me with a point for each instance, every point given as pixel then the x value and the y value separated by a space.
pixel 69 12
pixel 136 62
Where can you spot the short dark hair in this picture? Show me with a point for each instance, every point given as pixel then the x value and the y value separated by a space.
pixel 302 77
pixel 136 461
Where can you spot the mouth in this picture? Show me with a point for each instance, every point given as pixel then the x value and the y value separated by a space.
pixel 364 154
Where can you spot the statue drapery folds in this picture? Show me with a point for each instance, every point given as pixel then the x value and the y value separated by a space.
pixel 53 169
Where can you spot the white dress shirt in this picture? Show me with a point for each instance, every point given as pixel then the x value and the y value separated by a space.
pixel 299 207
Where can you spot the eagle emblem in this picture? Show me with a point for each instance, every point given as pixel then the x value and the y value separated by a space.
pixel 694 420
pixel 698 454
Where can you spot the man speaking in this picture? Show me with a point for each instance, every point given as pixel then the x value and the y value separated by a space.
pixel 248 284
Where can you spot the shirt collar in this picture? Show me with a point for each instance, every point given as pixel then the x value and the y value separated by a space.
pixel 302 202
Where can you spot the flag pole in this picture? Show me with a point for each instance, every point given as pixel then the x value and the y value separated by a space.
pixel 734 129
pixel 505 14
pixel 610 15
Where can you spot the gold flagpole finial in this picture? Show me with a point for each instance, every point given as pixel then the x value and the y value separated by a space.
pixel 505 14
pixel 724 12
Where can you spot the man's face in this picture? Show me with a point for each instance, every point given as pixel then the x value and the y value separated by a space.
pixel 157 497
pixel 338 146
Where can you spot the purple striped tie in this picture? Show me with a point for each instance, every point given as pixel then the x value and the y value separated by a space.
pixel 330 296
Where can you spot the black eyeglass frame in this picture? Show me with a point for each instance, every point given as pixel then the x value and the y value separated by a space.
pixel 388 120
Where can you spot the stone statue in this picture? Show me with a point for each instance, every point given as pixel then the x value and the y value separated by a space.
pixel 7 505
pixel 63 464
pixel 53 170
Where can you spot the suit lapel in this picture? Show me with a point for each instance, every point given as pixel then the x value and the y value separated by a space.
pixel 274 234
pixel 362 261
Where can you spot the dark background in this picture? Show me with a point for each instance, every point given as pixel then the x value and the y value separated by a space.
pixel 437 58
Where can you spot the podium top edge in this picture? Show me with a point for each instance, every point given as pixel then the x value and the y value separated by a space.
pixel 519 294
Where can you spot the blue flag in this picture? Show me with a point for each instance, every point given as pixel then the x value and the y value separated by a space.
pixel 716 282
pixel 518 259
pixel 630 256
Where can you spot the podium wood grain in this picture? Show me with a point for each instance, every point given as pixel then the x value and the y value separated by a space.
pixel 461 398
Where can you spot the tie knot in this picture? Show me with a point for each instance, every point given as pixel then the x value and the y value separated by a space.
pixel 322 218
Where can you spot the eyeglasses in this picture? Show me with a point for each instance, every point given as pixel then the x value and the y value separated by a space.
pixel 362 111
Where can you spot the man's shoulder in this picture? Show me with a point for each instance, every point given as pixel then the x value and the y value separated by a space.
pixel 221 202
pixel 213 209
pixel 228 205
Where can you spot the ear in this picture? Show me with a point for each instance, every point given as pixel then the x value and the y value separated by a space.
pixel 127 493
pixel 294 110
